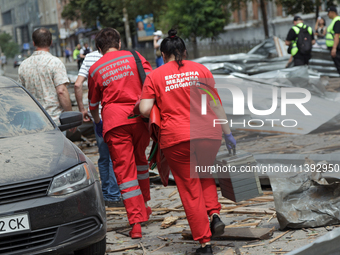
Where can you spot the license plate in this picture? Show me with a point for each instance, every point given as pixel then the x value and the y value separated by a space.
pixel 14 223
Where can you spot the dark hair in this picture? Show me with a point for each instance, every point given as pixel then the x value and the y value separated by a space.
pixel 42 37
pixel 324 21
pixel 107 38
pixel 174 45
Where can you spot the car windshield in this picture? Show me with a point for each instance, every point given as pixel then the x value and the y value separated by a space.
pixel 19 114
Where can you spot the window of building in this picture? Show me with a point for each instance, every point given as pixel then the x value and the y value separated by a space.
pixel 7 18
pixel 24 34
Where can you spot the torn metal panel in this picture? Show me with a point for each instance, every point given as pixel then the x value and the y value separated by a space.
pixel 225 68
pixel 271 47
pixel 262 97
pixel 327 244
pixel 275 64
pixel 299 76
pixel 238 58
pixel 305 200
pixel 269 55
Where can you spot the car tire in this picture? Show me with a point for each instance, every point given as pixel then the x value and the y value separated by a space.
pixel 98 248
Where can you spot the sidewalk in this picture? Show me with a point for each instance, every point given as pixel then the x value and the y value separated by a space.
pixel 71 67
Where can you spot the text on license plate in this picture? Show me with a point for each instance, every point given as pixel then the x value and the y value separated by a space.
pixel 14 223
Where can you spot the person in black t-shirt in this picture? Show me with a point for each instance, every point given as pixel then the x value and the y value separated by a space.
pixel 332 36
pixel 299 58
pixel 83 51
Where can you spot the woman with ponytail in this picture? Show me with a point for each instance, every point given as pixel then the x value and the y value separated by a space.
pixel 188 138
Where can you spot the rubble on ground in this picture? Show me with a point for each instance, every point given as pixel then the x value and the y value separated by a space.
pixel 252 226
pixel 254 221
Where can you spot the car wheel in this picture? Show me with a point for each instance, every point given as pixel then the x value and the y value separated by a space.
pixel 94 249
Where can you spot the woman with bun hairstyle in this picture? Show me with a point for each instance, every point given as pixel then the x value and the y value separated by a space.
pixel 188 102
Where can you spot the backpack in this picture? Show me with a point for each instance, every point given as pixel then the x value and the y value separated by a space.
pixel 304 40
pixel 86 51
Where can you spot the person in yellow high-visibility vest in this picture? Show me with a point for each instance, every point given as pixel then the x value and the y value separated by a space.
pixel 333 35
pixel 299 57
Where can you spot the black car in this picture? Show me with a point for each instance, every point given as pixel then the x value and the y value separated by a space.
pixel 18 60
pixel 50 195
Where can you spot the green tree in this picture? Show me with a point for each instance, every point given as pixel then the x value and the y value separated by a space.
pixel 89 11
pixel 110 12
pixel 9 47
pixel 195 19
pixel 140 7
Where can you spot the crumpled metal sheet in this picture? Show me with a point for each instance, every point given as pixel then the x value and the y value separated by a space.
pixel 327 244
pixel 262 95
pixel 275 64
pixel 225 68
pixel 239 58
pixel 272 46
pixel 305 200
pixel 299 76
pixel 269 55
pixel 303 77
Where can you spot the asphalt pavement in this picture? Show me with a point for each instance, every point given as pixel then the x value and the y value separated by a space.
pixel 10 71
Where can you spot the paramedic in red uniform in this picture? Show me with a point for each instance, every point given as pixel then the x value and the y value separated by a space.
pixel 114 81
pixel 188 141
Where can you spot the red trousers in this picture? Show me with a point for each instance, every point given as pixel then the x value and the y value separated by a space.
pixel 127 146
pixel 198 195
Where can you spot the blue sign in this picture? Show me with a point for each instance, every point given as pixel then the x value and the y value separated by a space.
pixel 145 27
pixel 26 46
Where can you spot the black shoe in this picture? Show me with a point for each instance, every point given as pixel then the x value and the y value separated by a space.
pixel 206 250
pixel 118 203
pixel 216 226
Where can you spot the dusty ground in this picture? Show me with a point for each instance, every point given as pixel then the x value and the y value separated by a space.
pixel 165 202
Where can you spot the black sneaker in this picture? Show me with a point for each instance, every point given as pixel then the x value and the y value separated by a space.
pixel 118 203
pixel 206 250
pixel 216 226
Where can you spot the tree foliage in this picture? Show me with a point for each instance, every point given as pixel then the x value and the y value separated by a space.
pixel 139 7
pixel 195 18
pixel 9 47
pixel 110 12
pixel 89 11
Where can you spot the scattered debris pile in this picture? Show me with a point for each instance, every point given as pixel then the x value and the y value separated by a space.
pixel 306 199
pixel 269 55
pixel 251 225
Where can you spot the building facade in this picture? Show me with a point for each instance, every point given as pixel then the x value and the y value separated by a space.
pixel 20 18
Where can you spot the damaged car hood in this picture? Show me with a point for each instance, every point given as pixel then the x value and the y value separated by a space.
pixel 35 156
